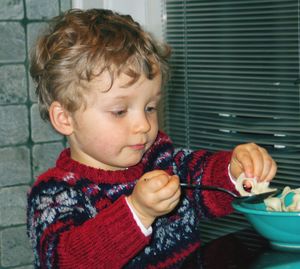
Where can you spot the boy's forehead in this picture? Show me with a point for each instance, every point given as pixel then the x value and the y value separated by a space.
pixel 105 83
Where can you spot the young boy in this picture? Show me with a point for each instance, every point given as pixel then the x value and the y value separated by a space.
pixel 113 200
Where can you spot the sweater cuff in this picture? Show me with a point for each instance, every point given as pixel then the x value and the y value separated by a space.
pixel 232 178
pixel 144 230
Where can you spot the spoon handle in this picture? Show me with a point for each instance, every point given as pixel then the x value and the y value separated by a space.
pixel 253 198
pixel 206 187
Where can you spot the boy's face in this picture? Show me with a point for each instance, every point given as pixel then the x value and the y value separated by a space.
pixel 117 126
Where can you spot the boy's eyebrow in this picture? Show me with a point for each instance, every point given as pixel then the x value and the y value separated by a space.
pixel 158 95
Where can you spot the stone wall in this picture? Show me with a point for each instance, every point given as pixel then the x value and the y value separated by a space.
pixel 27 144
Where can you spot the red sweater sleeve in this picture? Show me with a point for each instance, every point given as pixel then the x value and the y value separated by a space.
pixel 216 174
pixel 64 237
pixel 109 240
pixel 202 167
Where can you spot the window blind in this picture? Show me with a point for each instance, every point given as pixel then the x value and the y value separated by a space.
pixel 235 79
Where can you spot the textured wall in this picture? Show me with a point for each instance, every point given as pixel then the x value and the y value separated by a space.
pixel 27 144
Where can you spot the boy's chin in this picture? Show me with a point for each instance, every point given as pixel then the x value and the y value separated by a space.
pixel 130 163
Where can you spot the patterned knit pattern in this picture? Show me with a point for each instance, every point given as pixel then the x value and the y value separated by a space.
pixel 78 216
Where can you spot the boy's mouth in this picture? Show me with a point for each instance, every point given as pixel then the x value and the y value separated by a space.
pixel 138 146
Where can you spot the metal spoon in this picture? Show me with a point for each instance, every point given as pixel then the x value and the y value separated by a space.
pixel 253 199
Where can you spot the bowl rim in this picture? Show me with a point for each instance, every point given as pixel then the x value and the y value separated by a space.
pixel 240 206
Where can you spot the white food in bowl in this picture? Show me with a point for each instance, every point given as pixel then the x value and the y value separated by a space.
pixel 288 201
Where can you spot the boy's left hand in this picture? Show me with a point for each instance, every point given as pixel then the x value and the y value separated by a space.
pixel 254 161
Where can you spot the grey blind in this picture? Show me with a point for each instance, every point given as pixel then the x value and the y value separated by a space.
pixel 235 78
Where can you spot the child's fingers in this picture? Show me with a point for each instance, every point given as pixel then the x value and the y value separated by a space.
pixel 269 171
pixel 264 166
pixel 169 190
pixel 242 162
pixel 155 181
pixel 173 204
pixel 166 205
pixel 254 161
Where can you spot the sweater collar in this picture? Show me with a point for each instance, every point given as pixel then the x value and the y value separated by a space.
pixel 65 163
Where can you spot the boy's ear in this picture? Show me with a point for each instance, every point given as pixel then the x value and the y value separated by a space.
pixel 60 119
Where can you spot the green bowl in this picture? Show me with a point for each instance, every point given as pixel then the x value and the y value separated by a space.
pixel 282 229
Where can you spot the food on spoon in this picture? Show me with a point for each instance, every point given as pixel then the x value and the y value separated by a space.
pixel 256 187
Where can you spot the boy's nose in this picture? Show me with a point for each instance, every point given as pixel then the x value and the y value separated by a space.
pixel 141 123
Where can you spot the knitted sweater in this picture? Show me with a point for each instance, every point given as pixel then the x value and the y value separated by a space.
pixel 78 216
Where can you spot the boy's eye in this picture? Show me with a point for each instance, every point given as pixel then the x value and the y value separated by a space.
pixel 151 109
pixel 119 113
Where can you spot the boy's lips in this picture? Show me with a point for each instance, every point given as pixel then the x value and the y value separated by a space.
pixel 138 146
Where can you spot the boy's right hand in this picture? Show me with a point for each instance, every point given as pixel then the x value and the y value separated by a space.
pixel 155 194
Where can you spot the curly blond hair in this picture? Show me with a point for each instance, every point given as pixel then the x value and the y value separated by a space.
pixel 80 45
